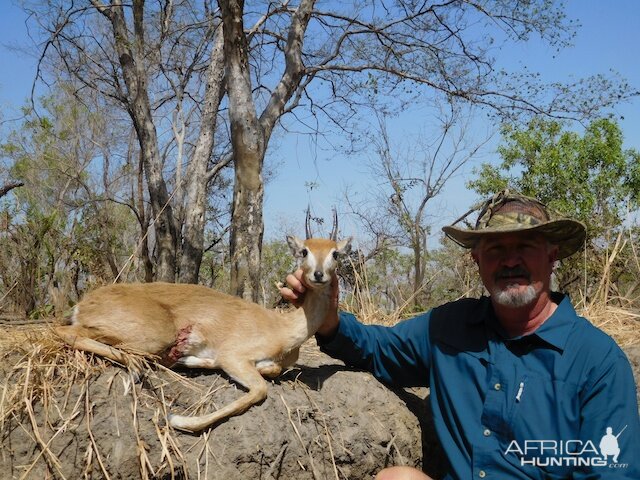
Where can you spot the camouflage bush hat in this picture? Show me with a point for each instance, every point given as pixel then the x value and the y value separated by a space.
pixel 507 212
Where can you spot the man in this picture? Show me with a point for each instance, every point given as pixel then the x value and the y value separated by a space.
pixel 520 385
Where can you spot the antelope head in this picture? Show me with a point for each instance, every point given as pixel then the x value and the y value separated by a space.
pixel 318 257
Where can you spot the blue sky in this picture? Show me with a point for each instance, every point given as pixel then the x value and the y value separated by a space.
pixel 607 40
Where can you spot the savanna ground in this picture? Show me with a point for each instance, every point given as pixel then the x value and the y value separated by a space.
pixel 67 415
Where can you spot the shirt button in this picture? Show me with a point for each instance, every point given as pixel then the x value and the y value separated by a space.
pixel 497 386
pixel 486 432
pixel 482 474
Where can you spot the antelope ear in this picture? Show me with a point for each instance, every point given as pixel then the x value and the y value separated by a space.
pixel 295 244
pixel 343 247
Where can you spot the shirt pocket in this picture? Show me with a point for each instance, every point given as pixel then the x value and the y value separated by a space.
pixel 542 415
pixel 543 408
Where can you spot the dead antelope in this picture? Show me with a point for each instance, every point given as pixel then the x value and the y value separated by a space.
pixel 198 327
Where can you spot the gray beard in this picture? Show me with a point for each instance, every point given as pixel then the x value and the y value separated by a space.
pixel 510 297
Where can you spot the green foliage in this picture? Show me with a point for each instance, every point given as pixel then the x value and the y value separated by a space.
pixel 588 176
pixel 277 262
pixel 58 236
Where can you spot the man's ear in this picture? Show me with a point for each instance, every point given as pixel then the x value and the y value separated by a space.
pixel 553 253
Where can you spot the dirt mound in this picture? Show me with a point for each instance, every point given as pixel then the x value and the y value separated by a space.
pixel 66 415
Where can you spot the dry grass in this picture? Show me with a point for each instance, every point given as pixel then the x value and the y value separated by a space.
pixel 616 315
pixel 621 324
pixel 54 400
pixel 46 392
pixel 367 308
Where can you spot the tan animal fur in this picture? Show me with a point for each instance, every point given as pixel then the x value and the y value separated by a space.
pixel 195 326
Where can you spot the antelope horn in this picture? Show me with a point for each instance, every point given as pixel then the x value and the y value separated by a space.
pixel 334 230
pixel 307 223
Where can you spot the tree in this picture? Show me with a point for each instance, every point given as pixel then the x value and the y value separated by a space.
pixel 163 66
pixel 131 50
pixel 408 184
pixel 58 232
pixel 316 64
pixel 250 136
pixel 588 176
pixel 353 49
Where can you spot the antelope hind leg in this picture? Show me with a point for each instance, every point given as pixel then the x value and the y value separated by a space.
pixel 246 374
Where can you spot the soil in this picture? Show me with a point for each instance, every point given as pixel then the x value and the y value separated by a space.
pixel 91 419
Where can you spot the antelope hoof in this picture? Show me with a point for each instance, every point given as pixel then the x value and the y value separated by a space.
pixel 180 422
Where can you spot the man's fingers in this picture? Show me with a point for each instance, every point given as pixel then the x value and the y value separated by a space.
pixel 288 294
pixel 294 280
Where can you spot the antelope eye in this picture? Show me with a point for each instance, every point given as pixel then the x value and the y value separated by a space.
pixel 304 252
pixel 335 255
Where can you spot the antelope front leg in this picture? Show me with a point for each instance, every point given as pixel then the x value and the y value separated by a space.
pixel 246 374
pixel 269 368
pixel 192 361
pixel 291 358
pixel 273 369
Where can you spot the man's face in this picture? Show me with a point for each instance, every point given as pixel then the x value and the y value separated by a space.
pixel 515 267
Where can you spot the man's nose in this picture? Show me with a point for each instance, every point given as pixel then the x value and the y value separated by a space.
pixel 511 257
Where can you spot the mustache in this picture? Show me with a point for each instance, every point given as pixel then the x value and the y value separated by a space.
pixel 507 273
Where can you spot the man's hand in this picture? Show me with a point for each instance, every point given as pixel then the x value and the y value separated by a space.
pixel 295 291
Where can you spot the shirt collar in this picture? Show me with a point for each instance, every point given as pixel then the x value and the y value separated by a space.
pixel 484 312
pixel 554 331
pixel 557 328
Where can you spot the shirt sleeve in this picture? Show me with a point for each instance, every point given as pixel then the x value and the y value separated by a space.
pixel 609 400
pixel 398 355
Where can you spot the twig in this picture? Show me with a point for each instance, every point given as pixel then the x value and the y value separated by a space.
pixel 295 429
pixel 276 462
pixel 89 416
pixel 44 447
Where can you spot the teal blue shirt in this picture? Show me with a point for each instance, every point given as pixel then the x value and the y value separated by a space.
pixel 533 407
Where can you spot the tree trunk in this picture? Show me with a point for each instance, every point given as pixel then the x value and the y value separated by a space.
pixel 144 224
pixel 247 140
pixel 131 54
pixel 419 264
pixel 197 176
pixel 250 135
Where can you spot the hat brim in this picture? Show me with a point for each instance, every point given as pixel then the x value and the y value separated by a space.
pixel 569 235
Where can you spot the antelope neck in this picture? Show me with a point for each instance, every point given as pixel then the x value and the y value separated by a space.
pixel 313 311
